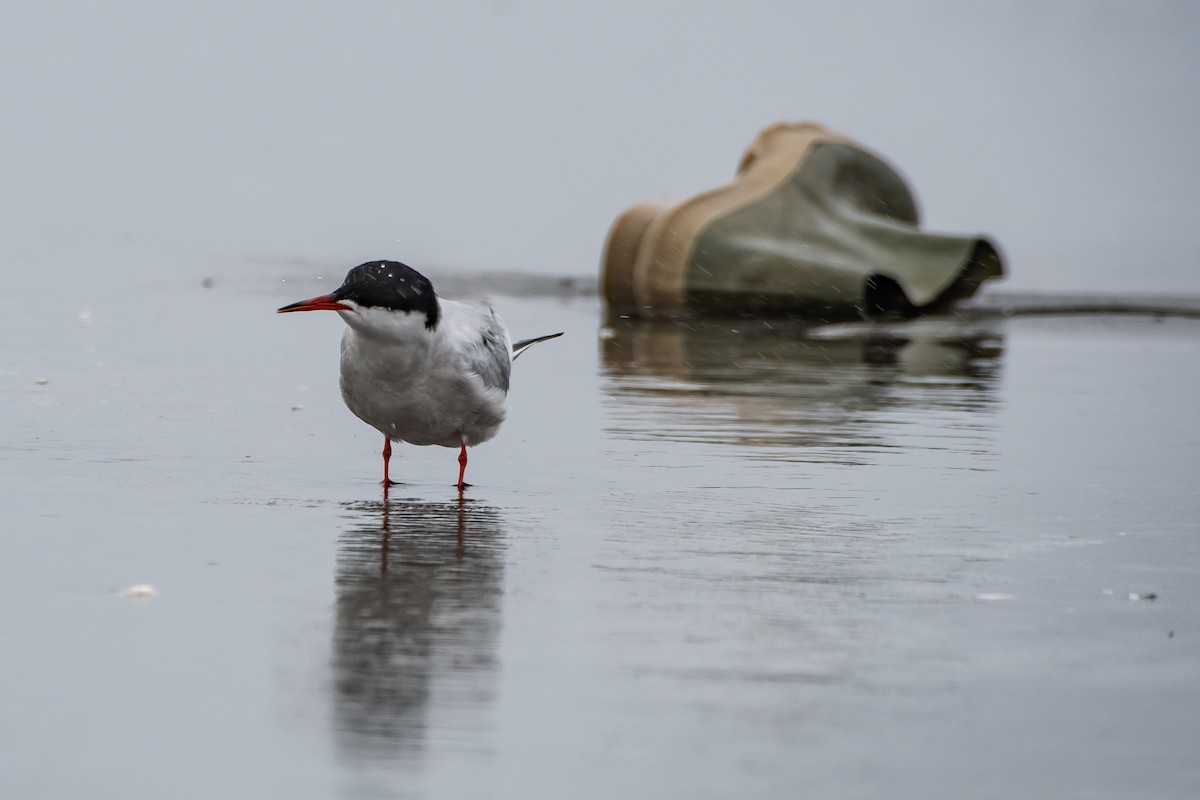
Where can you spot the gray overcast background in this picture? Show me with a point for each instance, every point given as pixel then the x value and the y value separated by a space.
pixel 211 137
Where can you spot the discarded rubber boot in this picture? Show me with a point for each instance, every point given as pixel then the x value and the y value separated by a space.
pixel 814 226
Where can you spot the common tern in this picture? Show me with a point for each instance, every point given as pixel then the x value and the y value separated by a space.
pixel 416 367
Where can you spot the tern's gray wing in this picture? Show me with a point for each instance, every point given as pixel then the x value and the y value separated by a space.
pixel 488 354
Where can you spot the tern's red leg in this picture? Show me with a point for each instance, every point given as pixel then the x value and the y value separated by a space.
pixel 462 467
pixel 387 456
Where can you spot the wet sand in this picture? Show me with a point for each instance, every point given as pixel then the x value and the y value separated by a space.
pixel 943 558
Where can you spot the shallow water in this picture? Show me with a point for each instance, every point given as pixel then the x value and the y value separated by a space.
pixel 725 560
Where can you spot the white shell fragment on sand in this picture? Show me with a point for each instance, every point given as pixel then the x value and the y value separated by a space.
pixel 139 591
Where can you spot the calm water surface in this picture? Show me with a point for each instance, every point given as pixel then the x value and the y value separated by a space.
pixel 710 561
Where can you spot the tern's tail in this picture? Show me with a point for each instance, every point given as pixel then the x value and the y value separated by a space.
pixel 525 344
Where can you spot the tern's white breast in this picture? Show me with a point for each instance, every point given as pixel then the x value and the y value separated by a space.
pixel 416 385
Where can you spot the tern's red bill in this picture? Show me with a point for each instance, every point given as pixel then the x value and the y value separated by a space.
pixel 323 303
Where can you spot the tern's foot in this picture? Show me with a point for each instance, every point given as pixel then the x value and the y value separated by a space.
pixel 461 486
pixel 389 483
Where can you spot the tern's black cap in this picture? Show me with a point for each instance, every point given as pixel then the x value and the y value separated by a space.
pixel 390 284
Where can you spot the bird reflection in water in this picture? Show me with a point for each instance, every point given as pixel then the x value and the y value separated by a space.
pixel 843 390
pixel 419 589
